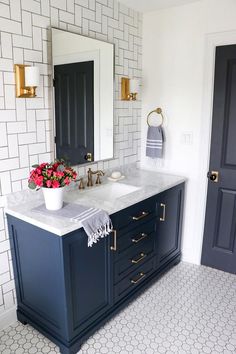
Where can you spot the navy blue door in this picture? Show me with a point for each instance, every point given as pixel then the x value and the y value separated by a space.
pixel 219 245
pixel 74 111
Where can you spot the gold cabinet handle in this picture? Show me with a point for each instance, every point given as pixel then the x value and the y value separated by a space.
pixel 141 276
pixel 114 247
pixel 142 236
pixel 164 212
pixel 142 256
pixel 139 217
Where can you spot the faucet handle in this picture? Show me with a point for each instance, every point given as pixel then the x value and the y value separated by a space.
pixel 99 174
pixel 98 180
pixel 81 183
pixel 90 180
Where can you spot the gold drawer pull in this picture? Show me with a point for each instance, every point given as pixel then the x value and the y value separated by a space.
pixel 141 276
pixel 142 236
pixel 136 261
pixel 114 247
pixel 164 212
pixel 143 214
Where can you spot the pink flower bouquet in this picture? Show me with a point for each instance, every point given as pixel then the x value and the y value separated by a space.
pixel 51 175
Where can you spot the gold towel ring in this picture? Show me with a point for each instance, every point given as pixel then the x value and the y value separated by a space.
pixel 158 111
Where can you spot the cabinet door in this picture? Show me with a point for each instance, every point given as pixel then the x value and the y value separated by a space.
pixel 88 273
pixel 169 220
pixel 38 272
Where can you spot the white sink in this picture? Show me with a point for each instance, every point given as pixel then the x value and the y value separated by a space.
pixel 110 192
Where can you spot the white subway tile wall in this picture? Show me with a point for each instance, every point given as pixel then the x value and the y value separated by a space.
pixel 26 125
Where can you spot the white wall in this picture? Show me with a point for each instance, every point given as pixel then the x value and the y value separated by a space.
pixel 26 124
pixel 178 76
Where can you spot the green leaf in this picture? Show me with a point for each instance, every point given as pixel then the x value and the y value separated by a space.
pixel 32 185
pixel 35 166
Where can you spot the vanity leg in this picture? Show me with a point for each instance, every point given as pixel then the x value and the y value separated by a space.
pixel 68 351
pixel 64 350
pixel 21 318
pixel 176 261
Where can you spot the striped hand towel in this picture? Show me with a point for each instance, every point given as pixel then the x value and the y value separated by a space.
pixel 155 140
pixel 96 222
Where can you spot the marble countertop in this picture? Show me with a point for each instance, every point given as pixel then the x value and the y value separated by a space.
pixel 150 183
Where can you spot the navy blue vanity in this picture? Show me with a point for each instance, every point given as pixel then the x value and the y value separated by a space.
pixel 67 290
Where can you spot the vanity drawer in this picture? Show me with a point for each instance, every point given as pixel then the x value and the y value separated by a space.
pixel 133 259
pixel 135 214
pixel 134 279
pixel 131 239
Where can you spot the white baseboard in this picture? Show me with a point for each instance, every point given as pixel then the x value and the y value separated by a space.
pixel 191 260
pixel 7 318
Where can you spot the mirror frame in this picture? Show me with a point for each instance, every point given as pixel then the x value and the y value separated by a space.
pixel 113 100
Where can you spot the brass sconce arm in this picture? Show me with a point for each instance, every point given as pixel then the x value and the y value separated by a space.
pixel 129 89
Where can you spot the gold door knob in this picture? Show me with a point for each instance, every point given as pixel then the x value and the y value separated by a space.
pixel 213 176
pixel 88 156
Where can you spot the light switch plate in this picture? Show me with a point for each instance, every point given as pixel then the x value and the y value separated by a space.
pixel 187 138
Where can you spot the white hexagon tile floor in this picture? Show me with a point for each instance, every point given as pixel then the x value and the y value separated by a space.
pixel 191 309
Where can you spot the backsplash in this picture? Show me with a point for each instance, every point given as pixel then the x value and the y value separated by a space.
pixel 26 125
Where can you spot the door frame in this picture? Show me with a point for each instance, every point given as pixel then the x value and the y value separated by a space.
pixel 212 41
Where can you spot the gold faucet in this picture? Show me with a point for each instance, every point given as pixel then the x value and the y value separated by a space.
pixel 90 179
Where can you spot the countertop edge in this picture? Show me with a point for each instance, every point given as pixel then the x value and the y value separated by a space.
pixel 75 226
pixel 35 222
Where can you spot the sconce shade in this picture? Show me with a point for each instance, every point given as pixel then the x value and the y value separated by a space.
pixel 31 76
pixel 27 79
pixel 134 86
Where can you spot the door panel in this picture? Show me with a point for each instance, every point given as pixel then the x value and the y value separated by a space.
pixel 39 282
pixel 219 235
pixel 169 211
pixel 225 225
pixel 90 290
pixel 74 111
pixel 229 156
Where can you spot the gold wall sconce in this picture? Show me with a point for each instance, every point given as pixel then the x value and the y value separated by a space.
pixel 27 79
pixel 129 89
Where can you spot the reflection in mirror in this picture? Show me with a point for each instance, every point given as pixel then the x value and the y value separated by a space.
pixel 83 96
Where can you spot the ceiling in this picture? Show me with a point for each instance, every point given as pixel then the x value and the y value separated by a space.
pixel 152 5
